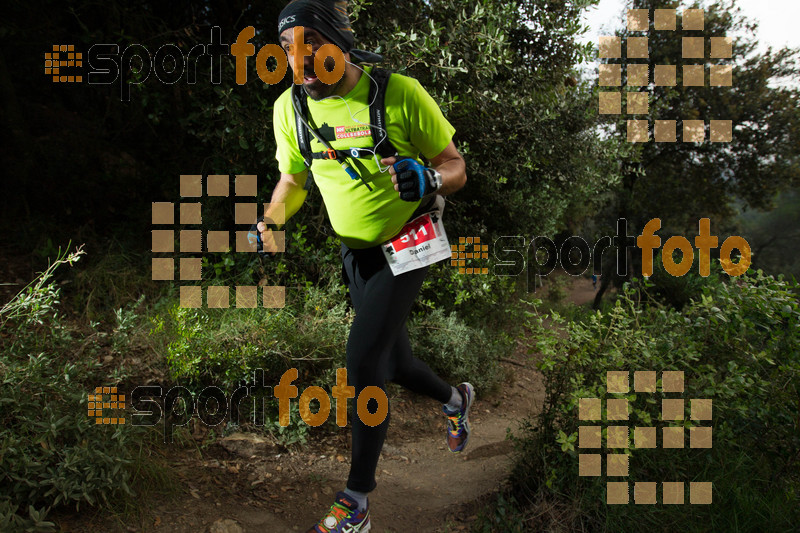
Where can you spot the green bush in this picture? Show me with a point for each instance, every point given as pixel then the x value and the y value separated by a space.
pixel 457 350
pixel 50 452
pixel 480 300
pixel 213 347
pixel 737 344
pixel 676 291
pixel 220 347
pixel 450 328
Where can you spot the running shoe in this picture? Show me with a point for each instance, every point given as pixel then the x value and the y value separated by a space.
pixel 343 517
pixel 458 421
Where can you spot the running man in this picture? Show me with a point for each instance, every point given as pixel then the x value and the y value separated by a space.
pixel 368 205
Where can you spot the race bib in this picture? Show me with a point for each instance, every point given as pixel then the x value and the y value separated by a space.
pixel 420 243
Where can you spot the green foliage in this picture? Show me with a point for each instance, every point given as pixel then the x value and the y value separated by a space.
pixel 38 300
pixel 51 453
pixel 503 73
pixel 676 291
pixel 112 278
pixel 453 348
pixel 557 288
pixel 129 323
pixel 480 300
pixel 682 182
pixel 221 348
pixel 775 235
pixel 296 433
pixel 12 520
pixel 207 346
pixel 503 516
pixel 738 344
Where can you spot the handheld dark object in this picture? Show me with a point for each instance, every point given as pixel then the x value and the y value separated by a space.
pixel 254 238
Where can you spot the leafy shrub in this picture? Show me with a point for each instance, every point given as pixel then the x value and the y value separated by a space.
pixel 480 300
pixel 50 452
pixel 676 291
pixel 214 346
pixel 456 350
pixel 218 347
pixel 557 289
pixel 739 345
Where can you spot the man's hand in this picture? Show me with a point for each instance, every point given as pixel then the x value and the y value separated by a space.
pixel 265 240
pixel 448 163
pixel 411 179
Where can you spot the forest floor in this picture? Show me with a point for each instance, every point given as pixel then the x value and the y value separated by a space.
pixel 245 483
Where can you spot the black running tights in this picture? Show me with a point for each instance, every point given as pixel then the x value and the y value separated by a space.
pixel 378 349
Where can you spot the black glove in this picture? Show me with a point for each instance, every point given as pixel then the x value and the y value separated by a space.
pixel 414 180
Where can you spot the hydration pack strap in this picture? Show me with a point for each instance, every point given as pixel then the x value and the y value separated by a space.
pixel 377 116
pixel 300 106
pixel 354 153
pixel 377 112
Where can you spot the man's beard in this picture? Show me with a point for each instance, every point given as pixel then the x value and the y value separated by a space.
pixel 318 90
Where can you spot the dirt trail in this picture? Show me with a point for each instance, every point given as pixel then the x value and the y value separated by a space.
pixel 249 485
pixel 581 291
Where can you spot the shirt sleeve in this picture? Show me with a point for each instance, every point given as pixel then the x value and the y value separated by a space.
pixel 428 129
pixel 290 160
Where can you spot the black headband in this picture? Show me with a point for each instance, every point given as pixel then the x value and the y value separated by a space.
pixel 329 17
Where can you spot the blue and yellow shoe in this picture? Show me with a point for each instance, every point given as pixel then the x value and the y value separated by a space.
pixel 343 517
pixel 458 421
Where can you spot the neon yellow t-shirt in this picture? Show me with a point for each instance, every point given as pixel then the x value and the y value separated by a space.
pixel 415 125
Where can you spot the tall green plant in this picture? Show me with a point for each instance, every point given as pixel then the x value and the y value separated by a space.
pixel 738 344
pixel 51 452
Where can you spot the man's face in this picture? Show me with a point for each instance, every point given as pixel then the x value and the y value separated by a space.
pixel 315 88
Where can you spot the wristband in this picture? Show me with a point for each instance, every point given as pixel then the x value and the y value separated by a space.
pixel 434 179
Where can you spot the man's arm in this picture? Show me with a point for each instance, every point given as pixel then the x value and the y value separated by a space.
pixel 291 193
pixel 448 163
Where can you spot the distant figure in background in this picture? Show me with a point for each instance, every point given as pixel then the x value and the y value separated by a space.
pixel 594 281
